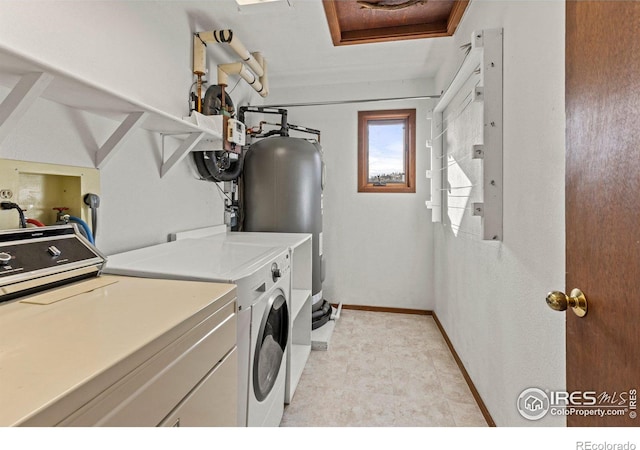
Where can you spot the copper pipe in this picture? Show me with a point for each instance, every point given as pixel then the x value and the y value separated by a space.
pixel 222 97
pixel 199 93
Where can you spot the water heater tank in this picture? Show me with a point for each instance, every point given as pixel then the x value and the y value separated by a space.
pixel 283 182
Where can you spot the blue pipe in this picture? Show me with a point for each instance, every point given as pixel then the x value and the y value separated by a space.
pixel 84 226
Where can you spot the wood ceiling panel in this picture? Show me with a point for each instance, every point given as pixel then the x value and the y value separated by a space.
pixel 351 22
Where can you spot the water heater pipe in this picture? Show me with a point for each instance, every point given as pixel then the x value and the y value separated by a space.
pixel 263 78
pixel 227 37
pixel 254 61
pixel 224 70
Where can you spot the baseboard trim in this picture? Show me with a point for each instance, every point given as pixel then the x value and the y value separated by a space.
pixel 463 370
pixel 465 374
pixel 420 312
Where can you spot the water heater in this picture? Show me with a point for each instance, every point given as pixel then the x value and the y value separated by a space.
pixel 283 182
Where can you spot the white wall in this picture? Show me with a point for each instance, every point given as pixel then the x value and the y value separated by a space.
pixel 490 296
pixel 142 50
pixel 378 247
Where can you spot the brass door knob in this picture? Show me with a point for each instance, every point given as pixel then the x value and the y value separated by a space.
pixel 559 301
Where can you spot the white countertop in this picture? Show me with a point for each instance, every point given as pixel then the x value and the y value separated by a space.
pixel 59 356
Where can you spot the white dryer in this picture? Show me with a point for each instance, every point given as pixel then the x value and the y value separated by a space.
pixel 262 275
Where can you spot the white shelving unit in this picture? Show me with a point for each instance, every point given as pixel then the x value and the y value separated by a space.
pixel 300 320
pixel 30 79
pixel 298 299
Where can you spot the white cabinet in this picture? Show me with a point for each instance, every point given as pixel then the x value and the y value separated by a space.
pixel 125 351
pixel 212 403
pixel 150 393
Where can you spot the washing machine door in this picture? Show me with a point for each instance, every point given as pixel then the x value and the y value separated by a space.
pixel 271 345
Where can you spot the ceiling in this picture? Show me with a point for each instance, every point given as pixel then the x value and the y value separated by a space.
pixel 294 37
pixel 363 21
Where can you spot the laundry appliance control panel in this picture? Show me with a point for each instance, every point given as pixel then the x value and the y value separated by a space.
pixel 33 259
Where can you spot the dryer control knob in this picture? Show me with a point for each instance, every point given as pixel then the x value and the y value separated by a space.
pixel 54 251
pixel 4 258
pixel 275 272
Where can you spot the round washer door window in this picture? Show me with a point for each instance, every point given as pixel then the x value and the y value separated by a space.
pixel 270 346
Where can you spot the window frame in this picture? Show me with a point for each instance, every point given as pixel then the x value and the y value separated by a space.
pixel 364 118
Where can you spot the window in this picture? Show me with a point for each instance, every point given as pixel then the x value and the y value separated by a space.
pixel 386 151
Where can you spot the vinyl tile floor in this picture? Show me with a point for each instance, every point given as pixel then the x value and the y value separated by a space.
pixel 383 370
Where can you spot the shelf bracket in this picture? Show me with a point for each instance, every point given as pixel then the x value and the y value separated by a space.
pixel 117 139
pixel 185 147
pixel 20 99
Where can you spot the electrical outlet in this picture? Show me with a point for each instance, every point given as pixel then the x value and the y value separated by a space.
pixel 6 194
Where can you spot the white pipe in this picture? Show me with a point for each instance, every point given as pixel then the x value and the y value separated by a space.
pixel 224 70
pixel 336 315
pixel 227 37
pixel 199 56
pixel 263 78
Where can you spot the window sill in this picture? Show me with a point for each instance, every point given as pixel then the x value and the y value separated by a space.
pixel 389 188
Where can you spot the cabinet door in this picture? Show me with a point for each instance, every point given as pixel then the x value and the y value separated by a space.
pixel 213 402
pixel 151 391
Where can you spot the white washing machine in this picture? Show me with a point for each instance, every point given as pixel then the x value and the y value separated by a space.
pixel 262 275
pixel 300 325
pixel 268 356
